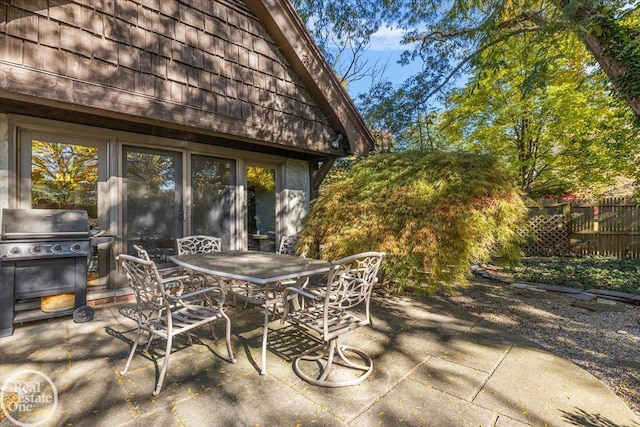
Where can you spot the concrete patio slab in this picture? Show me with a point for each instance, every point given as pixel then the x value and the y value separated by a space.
pixel 539 388
pixel 414 404
pixel 434 365
pixel 457 380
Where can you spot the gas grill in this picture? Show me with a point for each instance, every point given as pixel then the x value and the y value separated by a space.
pixel 42 252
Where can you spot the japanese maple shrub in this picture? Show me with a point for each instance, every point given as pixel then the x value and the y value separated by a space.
pixel 434 214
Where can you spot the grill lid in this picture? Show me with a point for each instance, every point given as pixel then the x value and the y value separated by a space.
pixel 44 223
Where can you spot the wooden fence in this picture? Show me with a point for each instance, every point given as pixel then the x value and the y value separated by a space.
pixel 610 226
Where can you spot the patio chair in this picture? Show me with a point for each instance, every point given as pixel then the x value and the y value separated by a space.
pixel 253 294
pixel 178 280
pixel 342 306
pixel 288 245
pixel 165 314
pixel 198 244
pixel 190 281
pixel 237 289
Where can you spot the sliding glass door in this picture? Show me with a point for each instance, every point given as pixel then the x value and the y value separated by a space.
pixel 261 208
pixel 153 207
pixel 213 184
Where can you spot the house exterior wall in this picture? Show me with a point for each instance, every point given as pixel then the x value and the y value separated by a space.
pixel 208 66
pixel 296 195
pixel 4 161
pixel 292 189
pixel 203 77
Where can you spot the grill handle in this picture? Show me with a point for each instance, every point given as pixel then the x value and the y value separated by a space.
pixel 45 235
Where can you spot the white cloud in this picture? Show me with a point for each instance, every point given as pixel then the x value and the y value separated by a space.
pixel 387 39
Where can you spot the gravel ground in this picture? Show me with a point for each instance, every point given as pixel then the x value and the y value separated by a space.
pixel 607 344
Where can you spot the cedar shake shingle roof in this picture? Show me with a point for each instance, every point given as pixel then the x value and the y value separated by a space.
pixel 240 71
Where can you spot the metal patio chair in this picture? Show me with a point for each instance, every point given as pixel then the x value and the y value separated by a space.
pixel 236 289
pixel 198 244
pixel 288 245
pixel 165 314
pixel 312 283
pixel 342 306
pixel 187 281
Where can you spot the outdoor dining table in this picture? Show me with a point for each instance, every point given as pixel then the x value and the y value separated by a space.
pixel 260 268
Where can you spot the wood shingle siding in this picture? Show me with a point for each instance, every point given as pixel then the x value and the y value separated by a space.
pixel 202 66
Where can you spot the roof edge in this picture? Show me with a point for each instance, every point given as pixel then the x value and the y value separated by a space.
pixel 284 26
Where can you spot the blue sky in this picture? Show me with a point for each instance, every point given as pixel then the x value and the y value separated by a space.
pixel 385 49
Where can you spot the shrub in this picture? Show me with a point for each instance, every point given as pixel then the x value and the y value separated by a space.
pixel 594 271
pixel 432 213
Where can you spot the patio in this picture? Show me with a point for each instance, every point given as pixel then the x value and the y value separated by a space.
pixel 434 365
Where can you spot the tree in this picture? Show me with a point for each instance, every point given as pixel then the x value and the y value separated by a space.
pixel 566 135
pixel 454 37
pixel 150 175
pixel 342 30
pixel 64 175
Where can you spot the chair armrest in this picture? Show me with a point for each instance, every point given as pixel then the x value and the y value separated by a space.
pixel 292 295
pixel 302 292
pixel 170 279
pixel 173 283
pixel 201 291
pixel 170 270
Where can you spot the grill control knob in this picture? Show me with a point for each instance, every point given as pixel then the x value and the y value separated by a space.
pixel 56 248
pixel 36 249
pixel 76 247
pixel 14 250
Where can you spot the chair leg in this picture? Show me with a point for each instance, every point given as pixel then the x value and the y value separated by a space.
pixel 213 332
pixel 133 351
pixel 148 344
pixel 324 356
pixel 329 364
pixel 228 337
pixel 165 364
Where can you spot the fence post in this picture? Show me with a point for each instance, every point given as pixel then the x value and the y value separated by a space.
pixel 566 211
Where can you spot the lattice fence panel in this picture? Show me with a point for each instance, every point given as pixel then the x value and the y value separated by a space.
pixel 551 234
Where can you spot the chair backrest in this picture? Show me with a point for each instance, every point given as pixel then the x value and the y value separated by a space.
pixel 288 245
pixel 198 245
pixel 145 281
pixel 142 252
pixel 350 284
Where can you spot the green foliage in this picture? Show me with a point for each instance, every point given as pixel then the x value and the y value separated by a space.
pixel 342 30
pixel 597 272
pixel 432 213
pixel 64 176
pixel 454 39
pixel 566 136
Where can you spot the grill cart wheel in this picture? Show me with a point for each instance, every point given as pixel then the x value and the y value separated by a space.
pixel 83 314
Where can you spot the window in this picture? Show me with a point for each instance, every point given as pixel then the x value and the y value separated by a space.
pixel 261 208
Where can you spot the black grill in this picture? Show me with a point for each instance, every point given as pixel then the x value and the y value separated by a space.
pixel 42 252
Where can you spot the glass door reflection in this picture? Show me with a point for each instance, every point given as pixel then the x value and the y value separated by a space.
pixel 261 208
pixel 212 194
pixel 153 209
pixel 65 173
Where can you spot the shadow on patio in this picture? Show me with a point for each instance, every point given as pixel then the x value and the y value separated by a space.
pixel 433 365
